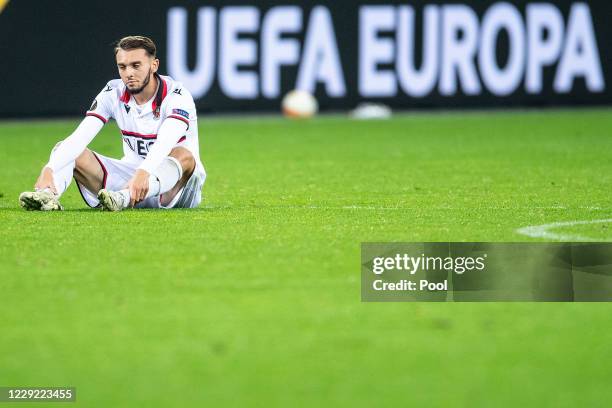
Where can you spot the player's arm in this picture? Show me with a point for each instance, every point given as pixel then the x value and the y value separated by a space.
pixel 68 150
pixel 168 135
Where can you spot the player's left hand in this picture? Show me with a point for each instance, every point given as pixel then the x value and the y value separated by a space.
pixel 138 186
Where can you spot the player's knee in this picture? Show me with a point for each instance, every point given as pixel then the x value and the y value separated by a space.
pixel 83 162
pixel 56 146
pixel 80 161
pixel 185 158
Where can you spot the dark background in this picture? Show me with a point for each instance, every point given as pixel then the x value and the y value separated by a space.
pixel 57 55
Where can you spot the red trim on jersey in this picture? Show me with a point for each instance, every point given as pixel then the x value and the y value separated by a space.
pixel 180 118
pixel 125 98
pixel 182 139
pixel 163 89
pixel 97 116
pixel 103 170
pixel 140 135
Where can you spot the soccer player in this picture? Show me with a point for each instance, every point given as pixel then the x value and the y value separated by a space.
pixel 156 115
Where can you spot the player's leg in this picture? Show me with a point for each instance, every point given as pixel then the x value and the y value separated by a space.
pixel 166 181
pixel 188 164
pixel 46 199
pixel 87 171
pixel 191 195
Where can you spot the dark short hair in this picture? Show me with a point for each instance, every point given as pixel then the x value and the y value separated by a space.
pixel 134 42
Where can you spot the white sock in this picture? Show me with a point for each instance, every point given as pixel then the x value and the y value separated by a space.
pixel 126 197
pixel 167 174
pixel 63 177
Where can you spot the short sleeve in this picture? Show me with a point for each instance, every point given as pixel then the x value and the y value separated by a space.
pixel 180 106
pixel 102 106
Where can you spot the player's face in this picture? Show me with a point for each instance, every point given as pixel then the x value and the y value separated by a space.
pixel 136 68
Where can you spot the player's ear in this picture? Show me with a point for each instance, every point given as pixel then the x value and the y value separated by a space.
pixel 155 65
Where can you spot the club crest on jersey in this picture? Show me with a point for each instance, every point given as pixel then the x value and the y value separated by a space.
pixel 181 112
pixel 94 105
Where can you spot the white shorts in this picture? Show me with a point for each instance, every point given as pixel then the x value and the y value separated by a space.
pixel 117 173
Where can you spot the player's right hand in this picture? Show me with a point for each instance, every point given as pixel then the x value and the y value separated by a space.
pixel 45 180
pixel 138 186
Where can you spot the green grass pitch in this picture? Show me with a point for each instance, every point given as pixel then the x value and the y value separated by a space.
pixel 254 300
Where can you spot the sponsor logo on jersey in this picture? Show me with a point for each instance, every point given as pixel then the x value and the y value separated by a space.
pixel 181 112
pixel 139 146
pixel 127 108
pixel 108 88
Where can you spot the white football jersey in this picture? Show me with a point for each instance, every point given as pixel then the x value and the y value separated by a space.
pixel 139 123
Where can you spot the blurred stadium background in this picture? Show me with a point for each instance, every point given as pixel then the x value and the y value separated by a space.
pixel 501 120
pixel 243 56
